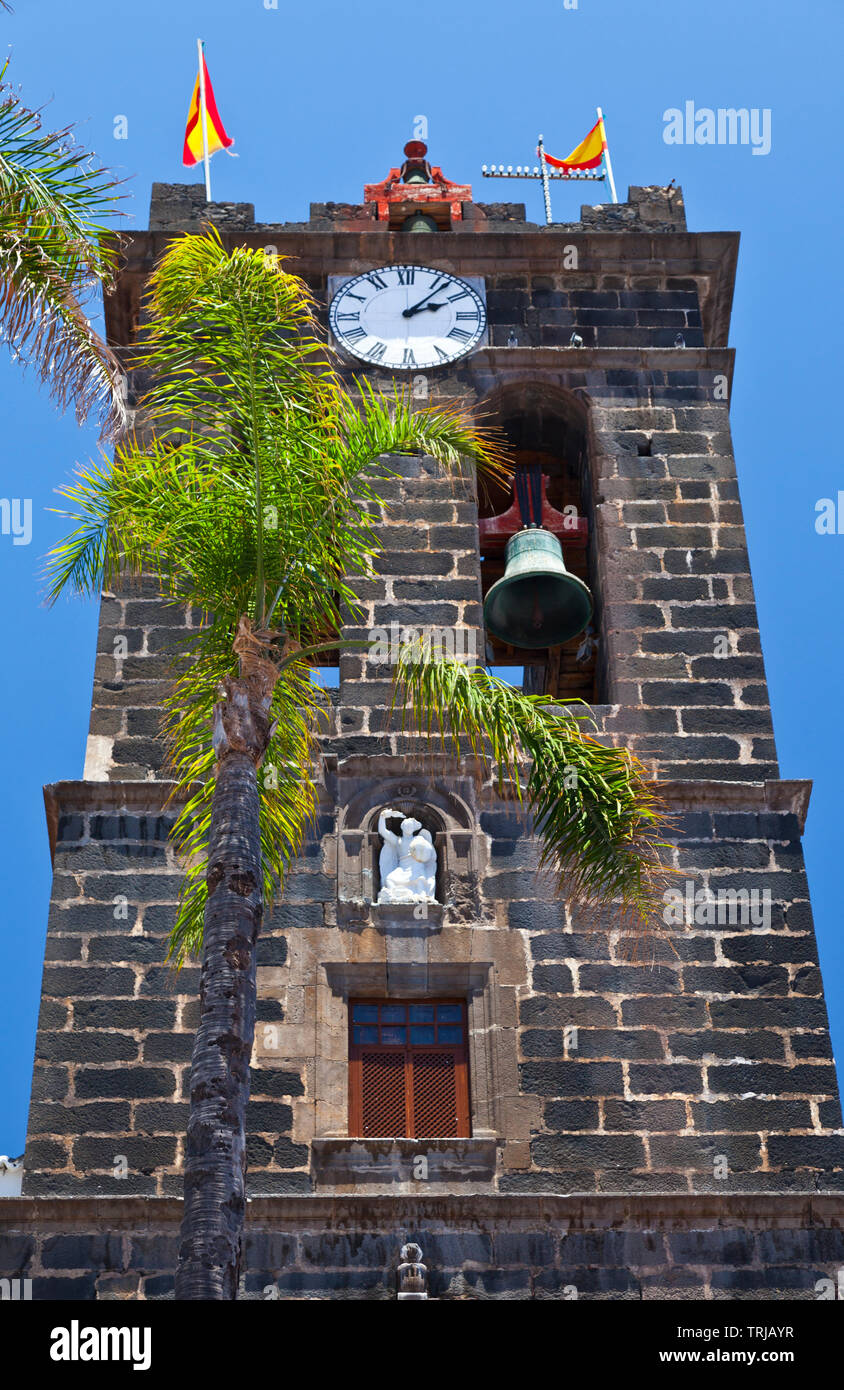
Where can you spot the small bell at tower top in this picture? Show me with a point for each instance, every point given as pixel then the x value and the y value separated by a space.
pixel 416 168
pixel 419 222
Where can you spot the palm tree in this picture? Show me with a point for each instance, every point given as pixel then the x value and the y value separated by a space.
pixel 247 495
pixel 54 256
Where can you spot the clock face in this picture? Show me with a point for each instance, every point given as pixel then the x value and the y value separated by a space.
pixel 407 317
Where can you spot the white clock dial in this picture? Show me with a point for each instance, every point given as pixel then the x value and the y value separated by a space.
pixel 407 317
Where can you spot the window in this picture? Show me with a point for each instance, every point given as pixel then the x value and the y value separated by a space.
pixel 408 1072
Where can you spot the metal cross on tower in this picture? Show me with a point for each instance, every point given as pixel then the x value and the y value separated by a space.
pixel 542 171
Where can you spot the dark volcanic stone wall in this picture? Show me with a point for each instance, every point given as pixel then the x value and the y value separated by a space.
pixel 696 1069
pixel 679 637
pixel 703 1063
pixel 683 653
pixel 544 314
pixel 542 1248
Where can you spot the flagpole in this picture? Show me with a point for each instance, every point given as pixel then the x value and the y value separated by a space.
pixel 545 187
pixel 607 160
pixel 204 119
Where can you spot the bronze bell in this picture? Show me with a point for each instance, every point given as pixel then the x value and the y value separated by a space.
pixel 536 603
pixel 419 222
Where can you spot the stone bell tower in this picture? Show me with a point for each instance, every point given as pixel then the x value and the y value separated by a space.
pixel 491 1076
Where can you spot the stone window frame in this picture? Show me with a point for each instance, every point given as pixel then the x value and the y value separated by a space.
pixel 474 981
pixel 412 1054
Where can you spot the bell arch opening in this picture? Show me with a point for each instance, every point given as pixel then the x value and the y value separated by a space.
pixel 546 429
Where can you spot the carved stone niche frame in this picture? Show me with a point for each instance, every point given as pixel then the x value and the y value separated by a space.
pixel 457 839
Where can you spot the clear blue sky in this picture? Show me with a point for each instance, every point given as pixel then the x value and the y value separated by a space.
pixel 320 98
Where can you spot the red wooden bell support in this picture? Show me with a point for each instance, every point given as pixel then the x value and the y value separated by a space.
pixel 495 531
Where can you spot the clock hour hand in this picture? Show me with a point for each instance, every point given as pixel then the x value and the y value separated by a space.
pixel 423 303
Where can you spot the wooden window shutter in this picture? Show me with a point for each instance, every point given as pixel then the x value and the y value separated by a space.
pixel 434 1095
pixel 384 1093
pixel 408 1069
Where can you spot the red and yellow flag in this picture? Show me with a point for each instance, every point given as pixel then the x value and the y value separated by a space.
pixel 588 154
pixel 217 137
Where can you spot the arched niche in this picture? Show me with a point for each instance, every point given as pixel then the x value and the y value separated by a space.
pixel 362 809
pixel 548 425
pixel 439 809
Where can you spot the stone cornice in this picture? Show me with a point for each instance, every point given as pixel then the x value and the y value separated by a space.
pixel 499 363
pixel 786 797
pixel 708 257
pixel 589 1211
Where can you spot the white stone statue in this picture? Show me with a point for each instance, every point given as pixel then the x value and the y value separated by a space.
pixel 408 862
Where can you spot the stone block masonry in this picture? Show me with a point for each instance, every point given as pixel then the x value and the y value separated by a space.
pixel 515 1248
pixel 683 653
pixel 115 1033
pixel 684 683
pixel 702 1063
pixel 649 1119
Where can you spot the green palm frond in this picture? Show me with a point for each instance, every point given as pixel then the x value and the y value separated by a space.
pixel 595 808
pixel 54 254
pixel 394 426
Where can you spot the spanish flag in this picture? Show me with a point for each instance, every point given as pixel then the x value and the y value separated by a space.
pixel 203 92
pixel 588 154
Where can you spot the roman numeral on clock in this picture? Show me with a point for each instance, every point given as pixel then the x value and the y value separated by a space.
pixel 375 281
pixel 354 335
pixel 355 315
pixel 443 356
pixel 452 298
pixel 406 274
pixel 408 360
pixel 468 314
pixel 378 352
pixel 460 334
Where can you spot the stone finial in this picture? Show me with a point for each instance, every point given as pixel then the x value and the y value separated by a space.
pixel 412 1274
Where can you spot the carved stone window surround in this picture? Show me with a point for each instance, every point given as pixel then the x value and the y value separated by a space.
pixel 472 980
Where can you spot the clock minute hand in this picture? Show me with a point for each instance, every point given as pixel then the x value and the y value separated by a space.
pixel 408 313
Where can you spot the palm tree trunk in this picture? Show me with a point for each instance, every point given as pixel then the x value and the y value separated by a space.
pixel 215 1157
